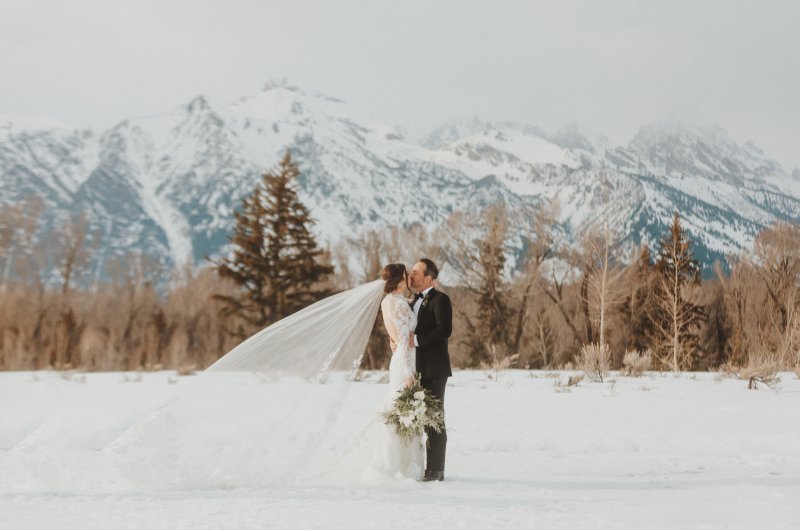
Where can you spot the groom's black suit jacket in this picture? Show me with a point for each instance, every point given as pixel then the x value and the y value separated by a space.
pixel 434 326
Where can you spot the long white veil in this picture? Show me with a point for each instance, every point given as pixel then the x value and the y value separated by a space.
pixel 327 336
pixel 256 417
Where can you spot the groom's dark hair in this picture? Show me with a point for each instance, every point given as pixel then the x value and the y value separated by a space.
pixel 430 268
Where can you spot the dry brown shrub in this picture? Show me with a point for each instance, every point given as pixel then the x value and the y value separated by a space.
pixel 499 365
pixel 729 369
pixel 565 385
pixel 762 369
pixel 93 349
pixel 595 360
pixel 637 363
pixel 186 369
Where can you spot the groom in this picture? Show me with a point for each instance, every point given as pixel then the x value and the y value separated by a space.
pixel 434 325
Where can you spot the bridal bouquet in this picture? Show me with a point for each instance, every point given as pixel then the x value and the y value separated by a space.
pixel 414 410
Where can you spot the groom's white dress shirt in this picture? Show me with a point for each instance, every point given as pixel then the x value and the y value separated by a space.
pixel 417 305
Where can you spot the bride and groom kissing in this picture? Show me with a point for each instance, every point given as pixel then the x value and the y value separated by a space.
pixel 419 329
pixel 331 335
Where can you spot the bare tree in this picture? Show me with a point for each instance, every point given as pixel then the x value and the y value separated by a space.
pixel 741 293
pixel 762 299
pixel 543 340
pixel 8 215
pixel 71 240
pixel 777 262
pixel 18 224
pixel 474 247
pixel 777 252
pixel 602 275
pixel 457 237
pixel 540 243
pixel 557 290
pixel 133 276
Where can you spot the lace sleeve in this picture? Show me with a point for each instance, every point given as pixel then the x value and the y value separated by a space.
pixel 403 316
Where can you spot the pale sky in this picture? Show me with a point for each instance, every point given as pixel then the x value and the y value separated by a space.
pixel 610 66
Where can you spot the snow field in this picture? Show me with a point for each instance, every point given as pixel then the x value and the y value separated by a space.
pixel 232 450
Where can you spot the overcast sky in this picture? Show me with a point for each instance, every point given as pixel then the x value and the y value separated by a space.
pixel 611 66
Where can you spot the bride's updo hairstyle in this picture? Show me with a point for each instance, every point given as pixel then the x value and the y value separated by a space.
pixel 393 274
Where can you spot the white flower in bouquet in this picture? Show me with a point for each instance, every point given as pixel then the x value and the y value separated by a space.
pixel 414 410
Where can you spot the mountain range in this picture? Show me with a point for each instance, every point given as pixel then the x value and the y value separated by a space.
pixel 167 185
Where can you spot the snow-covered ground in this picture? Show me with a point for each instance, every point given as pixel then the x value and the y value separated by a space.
pixel 155 450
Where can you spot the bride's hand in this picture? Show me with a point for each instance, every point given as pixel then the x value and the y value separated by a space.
pixel 410 382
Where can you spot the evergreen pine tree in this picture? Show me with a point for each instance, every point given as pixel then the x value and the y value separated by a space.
pixel 275 262
pixel 675 318
pixel 493 310
pixel 635 309
pixel 487 321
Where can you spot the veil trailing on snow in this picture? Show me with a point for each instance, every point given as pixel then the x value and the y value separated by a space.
pixel 328 336
pixel 233 427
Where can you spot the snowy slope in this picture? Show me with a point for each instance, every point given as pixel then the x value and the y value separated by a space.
pixel 725 193
pixel 167 185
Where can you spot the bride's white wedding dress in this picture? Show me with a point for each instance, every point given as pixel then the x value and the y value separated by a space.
pixel 394 456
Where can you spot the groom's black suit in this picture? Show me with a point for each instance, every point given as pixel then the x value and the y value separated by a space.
pixel 434 326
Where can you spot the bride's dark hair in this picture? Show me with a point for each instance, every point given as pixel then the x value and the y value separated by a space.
pixel 393 274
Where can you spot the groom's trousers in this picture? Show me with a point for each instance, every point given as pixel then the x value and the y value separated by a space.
pixel 437 441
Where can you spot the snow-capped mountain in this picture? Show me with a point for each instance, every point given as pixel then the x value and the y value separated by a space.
pixel 167 185
pixel 725 192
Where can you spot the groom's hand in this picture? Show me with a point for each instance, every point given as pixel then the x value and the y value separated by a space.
pixel 392 345
pixel 411 341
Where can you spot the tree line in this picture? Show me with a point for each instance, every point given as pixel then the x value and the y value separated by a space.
pixel 596 305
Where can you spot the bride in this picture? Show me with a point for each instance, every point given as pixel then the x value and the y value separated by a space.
pixel 394 456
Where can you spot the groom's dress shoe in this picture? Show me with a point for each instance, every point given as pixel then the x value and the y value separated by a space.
pixel 433 476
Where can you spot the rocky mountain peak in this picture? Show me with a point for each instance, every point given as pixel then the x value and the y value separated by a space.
pixel 573 136
pixel 455 130
pixel 198 104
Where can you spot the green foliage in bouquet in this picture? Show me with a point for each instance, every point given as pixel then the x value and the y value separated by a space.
pixel 414 410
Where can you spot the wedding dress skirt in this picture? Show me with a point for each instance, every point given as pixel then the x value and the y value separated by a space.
pixel 394 456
